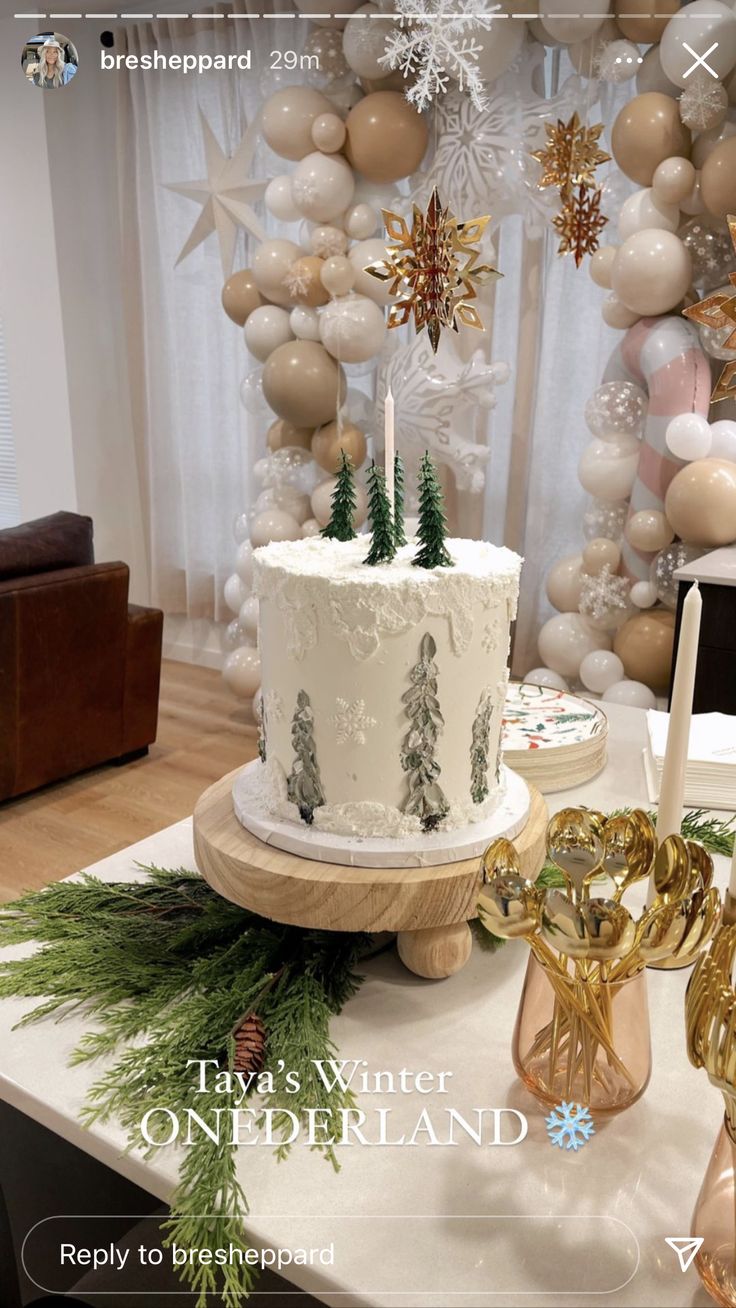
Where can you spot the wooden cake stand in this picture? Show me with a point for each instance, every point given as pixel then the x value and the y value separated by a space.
pixel 428 907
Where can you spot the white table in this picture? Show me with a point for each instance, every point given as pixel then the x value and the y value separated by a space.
pixel 582 1229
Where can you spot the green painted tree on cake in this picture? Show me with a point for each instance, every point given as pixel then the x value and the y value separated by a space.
pixel 432 527
pixel 479 748
pixel 303 785
pixel 399 529
pixel 383 547
pixel 426 800
pixel 342 517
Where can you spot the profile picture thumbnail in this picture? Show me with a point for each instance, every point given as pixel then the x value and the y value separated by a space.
pixel 49 60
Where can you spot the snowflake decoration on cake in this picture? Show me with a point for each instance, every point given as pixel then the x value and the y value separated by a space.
pixel 719 311
pixel 579 223
pixel 351 722
pixel 602 595
pixel 703 103
pixel 571 155
pixel 491 636
pixel 274 706
pixel 433 44
pixel 569 1126
pixel 433 269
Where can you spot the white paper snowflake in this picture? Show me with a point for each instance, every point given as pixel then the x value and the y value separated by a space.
pixel 274 706
pixel 296 281
pixel 432 44
pixel 328 241
pixel 351 721
pixel 601 596
pixel 703 103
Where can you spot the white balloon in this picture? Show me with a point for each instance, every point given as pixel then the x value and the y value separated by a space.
pixel 645 209
pixel 688 436
pixel 546 677
pixel 633 693
pixel 499 46
pixel 248 618
pixel 361 221
pixel 352 329
pixel 279 201
pixel 304 323
pixel 607 469
pixel 364 42
pixel 242 671
pixel 322 186
pixel 699 25
pixel 643 594
pixel 723 440
pixel 360 255
pixel 599 670
pixel 235 592
pixel 265 329
pixel 241 528
pixel 288 498
pixel 565 640
pixel 271 262
pixel 310 528
pixel 233 637
pixel 561 21
pixel 244 562
pixel 271 525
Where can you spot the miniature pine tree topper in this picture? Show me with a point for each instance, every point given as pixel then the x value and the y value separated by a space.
pixel 383 546
pixel 340 526
pixel 432 525
pixel 399 528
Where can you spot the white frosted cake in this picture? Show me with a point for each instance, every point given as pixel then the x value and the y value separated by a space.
pixel 383 687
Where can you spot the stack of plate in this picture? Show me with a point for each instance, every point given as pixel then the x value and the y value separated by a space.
pixel 552 738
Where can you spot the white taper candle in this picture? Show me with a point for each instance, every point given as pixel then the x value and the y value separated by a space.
pixel 388 445
pixel 672 790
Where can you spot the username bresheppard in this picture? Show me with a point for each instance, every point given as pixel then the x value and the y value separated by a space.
pixel 188 63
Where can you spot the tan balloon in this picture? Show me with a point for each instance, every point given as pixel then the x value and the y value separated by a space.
pixel 386 137
pixel 701 502
pixel 330 440
pixel 563 584
pixel 271 264
pixel 706 142
pixel 303 384
pixel 652 272
pixel 649 531
pixel 287 119
pixel 600 553
pixel 282 434
pixel 306 273
pixel 322 503
pixel 718 179
pixel 646 132
pixel 240 296
pixel 644 645
pixel 645 23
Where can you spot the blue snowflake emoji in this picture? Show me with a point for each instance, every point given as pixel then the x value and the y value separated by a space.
pixel 569 1126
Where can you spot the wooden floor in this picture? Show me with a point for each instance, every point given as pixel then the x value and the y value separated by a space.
pixel 203 732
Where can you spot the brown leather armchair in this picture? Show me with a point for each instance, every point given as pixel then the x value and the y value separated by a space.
pixel 79 666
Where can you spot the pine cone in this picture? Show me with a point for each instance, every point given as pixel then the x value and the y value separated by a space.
pixel 250 1045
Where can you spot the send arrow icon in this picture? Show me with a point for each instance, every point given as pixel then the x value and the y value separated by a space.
pixel 685 1246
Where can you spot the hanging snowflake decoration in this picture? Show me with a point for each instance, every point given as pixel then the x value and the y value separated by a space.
pixel 579 223
pixel 432 44
pixel 351 722
pixel 571 155
pixel 703 103
pixel 569 1126
pixel 604 595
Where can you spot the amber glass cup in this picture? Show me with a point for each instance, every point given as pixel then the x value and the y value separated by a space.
pixel 715 1220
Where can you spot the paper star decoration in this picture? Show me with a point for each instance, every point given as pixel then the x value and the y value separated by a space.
pixel 719 311
pixel 432 269
pixel 226 195
pixel 580 222
pixel 571 154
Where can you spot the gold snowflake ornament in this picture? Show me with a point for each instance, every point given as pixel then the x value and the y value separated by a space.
pixel 571 155
pixel 719 311
pixel 580 222
pixel 433 269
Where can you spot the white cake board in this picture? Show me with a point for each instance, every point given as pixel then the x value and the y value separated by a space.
pixel 421 850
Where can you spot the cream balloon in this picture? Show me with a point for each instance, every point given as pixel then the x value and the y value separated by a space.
pixel 322 502
pixel 546 677
pixel 673 180
pixel 601 264
pixel 499 46
pixel 651 272
pixel 360 221
pixel 279 200
pixel 584 55
pixel 565 640
pixel 644 209
pixel 338 275
pixel 304 323
pixel 287 117
pixel 615 313
pixel 352 329
pixel 643 594
pixel 248 618
pixel 244 562
pixel 266 329
pixel 688 437
pixel 326 241
pixel 723 439
pixel 560 20
pixel 649 531
pixel 288 498
pixel 273 524
pixel 235 592
pixel 563 584
pixel 241 671
pixel 693 203
pixel 322 186
pixel 271 263
pixel 311 528
pixel 607 469
pixel 360 255
pixel 633 694
pixel 600 553
pixel 704 25
pixel 364 42
pixel 328 133
pixel 599 670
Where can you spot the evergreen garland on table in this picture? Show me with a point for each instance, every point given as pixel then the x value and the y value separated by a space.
pixel 340 526
pixel 426 798
pixel 479 748
pixel 303 785
pixel 399 529
pixel 166 968
pixel 432 525
pixel 383 546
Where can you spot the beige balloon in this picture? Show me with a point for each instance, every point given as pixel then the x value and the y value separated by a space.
pixel 647 131
pixel 584 54
pixel 287 118
pixel 322 503
pixel 701 502
pixel 563 584
pixel 305 275
pixel 332 439
pixel 651 272
pixel 271 264
pixel 615 313
pixel 240 296
pixel 648 530
pixel 673 179
pixel 644 23
pixel 282 435
pixel 338 275
pixel 601 264
pixel 303 384
pixel 644 645
pixel 560 20
pixel 600 553
pixel 360 255
pixel 328 133
pixel 706 142
pixel 718 180
pixel 386 137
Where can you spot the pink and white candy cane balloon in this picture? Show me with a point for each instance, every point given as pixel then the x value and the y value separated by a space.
pixel 665 358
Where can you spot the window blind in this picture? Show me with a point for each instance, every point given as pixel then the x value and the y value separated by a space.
pixel 9 499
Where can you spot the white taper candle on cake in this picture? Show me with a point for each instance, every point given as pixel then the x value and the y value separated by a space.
pixel 672 789
pixel 388 445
